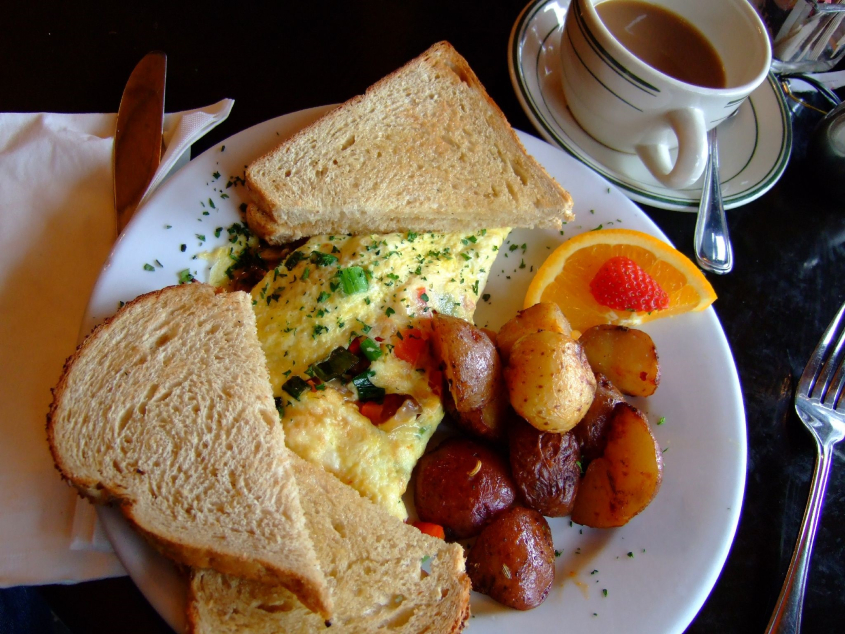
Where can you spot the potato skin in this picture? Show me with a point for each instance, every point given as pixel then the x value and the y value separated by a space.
pixel 513 560
pixel 488 422
pixel 469 359
pixel 545 467
pixel 542 316
pixel 462 485
pixel 591 432
pixel 476 398
pixel 626 356
pixel 624 481
pixel 550 382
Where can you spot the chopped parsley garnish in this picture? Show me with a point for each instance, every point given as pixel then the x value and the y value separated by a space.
pixel 293 259
pixel 323 297
pixel 185 276
pixel 389 311
pixel 149 267
pixel 323 259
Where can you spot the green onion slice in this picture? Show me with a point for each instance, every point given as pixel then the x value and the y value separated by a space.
pixel 295 386
pixel 354 280
pixel 366 390
pixel 338 363
pixel 370 348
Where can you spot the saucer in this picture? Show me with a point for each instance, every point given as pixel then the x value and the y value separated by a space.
pixel 754 146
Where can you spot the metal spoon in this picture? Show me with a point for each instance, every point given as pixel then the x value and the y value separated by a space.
pixel 712 242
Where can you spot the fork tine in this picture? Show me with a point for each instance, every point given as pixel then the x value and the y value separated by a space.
pixel 837 400
pixel 808 381
pixel 831 364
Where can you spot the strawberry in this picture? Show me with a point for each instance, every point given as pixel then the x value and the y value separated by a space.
pixel 622 284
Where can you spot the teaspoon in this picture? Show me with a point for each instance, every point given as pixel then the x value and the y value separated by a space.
pixel 712 242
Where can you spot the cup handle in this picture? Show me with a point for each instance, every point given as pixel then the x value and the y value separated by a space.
pixel 688 126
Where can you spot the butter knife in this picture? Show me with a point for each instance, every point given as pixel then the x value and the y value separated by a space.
pixel 138 135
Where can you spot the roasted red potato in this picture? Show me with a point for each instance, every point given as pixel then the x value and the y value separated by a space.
pixel 626 356
pixel 473 373
pixel 549 380
pixel 591 432
pixel 545 467
pixel 542 316
pixel 462 485
pixel 513 560
pixel 625 479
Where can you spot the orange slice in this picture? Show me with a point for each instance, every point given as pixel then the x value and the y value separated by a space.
pixel 564 278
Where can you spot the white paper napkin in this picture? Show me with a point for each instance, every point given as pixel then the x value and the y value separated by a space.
pixel 57 226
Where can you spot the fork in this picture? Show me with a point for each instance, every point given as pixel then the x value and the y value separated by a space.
pixel 820 404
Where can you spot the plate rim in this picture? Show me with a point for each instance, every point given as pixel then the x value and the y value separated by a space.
pixel 160 598
pixel 645 193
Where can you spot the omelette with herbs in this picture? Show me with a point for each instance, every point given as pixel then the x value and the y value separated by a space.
pixel 344 326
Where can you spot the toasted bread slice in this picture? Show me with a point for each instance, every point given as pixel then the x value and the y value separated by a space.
pixel 166 409
pixel 424 149
pixel 374 564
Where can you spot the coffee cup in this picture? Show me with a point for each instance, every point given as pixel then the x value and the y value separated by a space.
pixel 647 76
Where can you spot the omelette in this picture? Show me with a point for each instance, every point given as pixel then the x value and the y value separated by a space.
pixel 344 323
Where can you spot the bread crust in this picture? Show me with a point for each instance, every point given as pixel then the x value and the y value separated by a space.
pixel 346 197
pixel 308 585
pixel 351 533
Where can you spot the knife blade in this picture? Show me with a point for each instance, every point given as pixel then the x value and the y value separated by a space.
pixel 138 134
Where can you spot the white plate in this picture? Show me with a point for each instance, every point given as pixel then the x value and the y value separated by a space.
pixel 677 546
pixel 754 146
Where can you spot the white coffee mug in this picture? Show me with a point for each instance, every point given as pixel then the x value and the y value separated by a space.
pixel 632 107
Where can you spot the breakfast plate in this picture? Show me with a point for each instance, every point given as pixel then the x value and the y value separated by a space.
pixel 754 146
pixel 651 575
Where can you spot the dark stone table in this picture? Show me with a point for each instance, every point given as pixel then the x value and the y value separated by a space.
pixel 789 245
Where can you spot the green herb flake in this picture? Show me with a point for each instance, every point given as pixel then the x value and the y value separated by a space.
pixel 200 237
pixel 149 267
pixel 661 420
pixel 322 259
pixel 185 276
pixel 604 592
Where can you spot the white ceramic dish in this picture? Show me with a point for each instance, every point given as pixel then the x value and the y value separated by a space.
pixel 657 570
pixel 754 146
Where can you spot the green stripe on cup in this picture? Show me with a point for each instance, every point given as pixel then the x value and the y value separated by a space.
pixel 620 70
